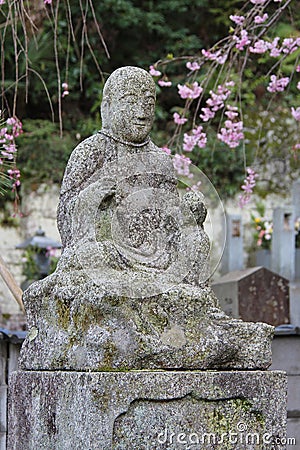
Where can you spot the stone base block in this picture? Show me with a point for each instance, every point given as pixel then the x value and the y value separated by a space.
pixel 147 410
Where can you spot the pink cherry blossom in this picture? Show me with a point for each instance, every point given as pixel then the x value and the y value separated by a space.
pixel 195 187
pixel 189 142
pixel 200 136
pixel 196 138
pixel 208 54
pixel 232 112
pixel 296 113
pixel 278 84
pixel 179 120
pixel 216 101
pixel 222 58
pixel 182 164
pixel 14 174
pixel 261 19
pixel 11 147
pixel 207 114
pixel 47 2
pixel 275 51
pixel 166 150
pixel 290 45
pixel 164 83
pixel 9 137
pixel 65 87
pixel 193 66
pixel 2 2
pixel 190 92
pixel 15 125
pixel 239 20
pixel 260 46
pixel 232 133
pixel 215 56
pixel 242 41
pixel 258 2
pixel 247 187
pixel 7 155
pixel 298 85
pixel 249 181
pixel 8 134
pixel 154 72
pixel 298 68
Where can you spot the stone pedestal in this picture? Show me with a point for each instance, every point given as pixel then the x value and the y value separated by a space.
pixel 147 410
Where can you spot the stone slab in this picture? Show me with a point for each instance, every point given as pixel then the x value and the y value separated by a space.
pixel 147 410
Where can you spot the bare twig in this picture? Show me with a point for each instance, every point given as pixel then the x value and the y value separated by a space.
pixel 11 283
pixel 57 66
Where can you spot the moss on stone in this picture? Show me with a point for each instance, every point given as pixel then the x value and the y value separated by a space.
pixel 63 313
pixel 86 316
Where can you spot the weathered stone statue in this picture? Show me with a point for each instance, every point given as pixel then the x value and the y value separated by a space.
pixel 131 297
pixel 131 290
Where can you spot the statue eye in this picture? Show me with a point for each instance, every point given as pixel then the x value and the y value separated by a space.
pixel 128 98
pixel 150 102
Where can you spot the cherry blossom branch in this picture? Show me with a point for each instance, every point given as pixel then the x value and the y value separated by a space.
pixel 226 58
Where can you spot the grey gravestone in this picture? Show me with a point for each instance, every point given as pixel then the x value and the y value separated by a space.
pixel 283 242
pixel 296 207
pixel 255 294
pixel 296 198
pixel 233 256
pixel 130 292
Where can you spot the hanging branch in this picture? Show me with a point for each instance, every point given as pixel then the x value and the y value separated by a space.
pixel 11 284
pixel 25 21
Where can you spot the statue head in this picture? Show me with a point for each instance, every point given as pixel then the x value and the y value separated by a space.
pixel 128 104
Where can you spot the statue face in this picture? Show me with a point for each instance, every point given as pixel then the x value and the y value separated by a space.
pixel 128 103
pixel 131 113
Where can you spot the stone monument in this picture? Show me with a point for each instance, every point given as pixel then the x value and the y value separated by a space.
pixel 127 332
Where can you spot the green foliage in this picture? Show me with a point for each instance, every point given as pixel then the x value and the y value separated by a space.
pixel 222 165
pixel 270 134
pixel 140 33
pixel 7 218
pixel 30 268
pixel 42 154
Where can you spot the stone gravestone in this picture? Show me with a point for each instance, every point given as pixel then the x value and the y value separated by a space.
pixel 283 242
pixel 254 294
pixel 233 256
pixel 296 208
pixel 127 347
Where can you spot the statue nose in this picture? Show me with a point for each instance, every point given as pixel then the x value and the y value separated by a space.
pixel 141 111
